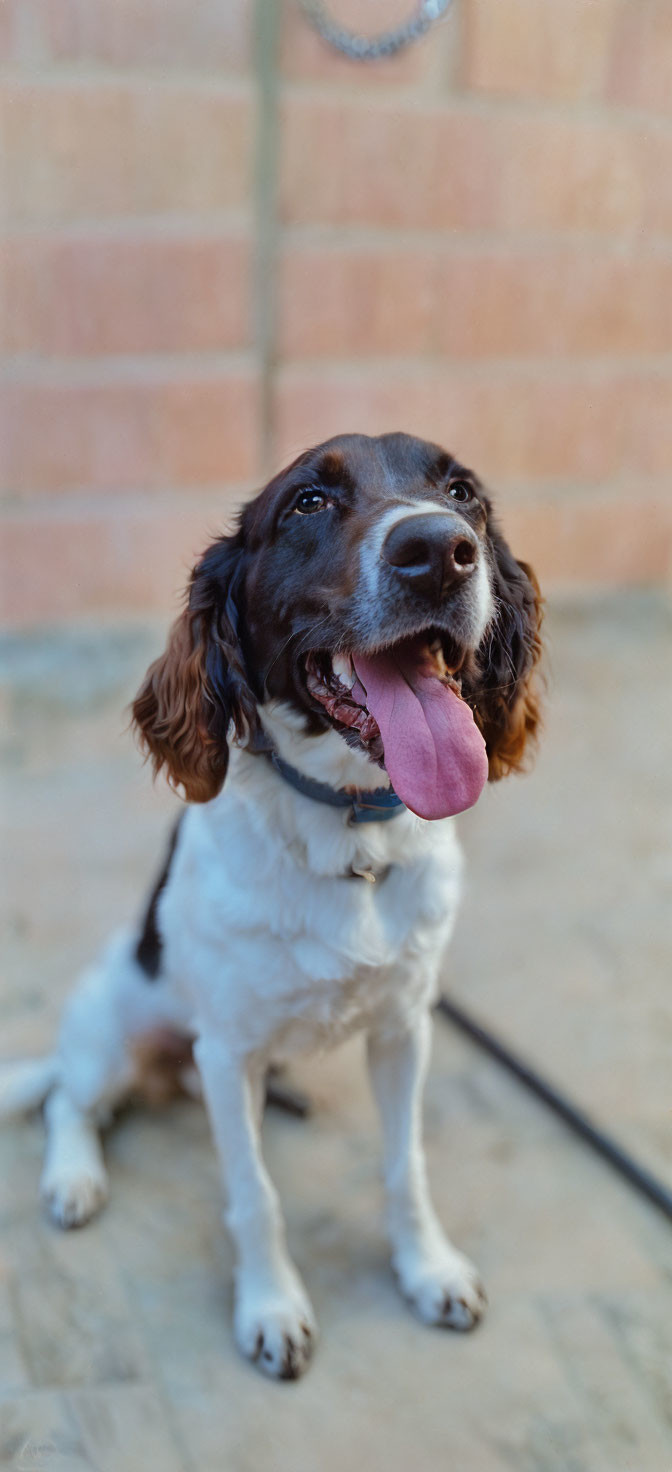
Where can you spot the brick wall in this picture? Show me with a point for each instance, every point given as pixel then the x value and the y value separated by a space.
pixel 210 261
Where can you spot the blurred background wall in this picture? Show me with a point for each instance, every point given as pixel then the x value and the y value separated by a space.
pixel 224 241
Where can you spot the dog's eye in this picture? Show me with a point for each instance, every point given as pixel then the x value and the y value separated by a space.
pixel 460 491
pixel 309 501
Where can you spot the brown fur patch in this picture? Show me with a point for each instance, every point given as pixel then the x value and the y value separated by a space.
pixel 159 1058
pixel 510 717
pixel 170 713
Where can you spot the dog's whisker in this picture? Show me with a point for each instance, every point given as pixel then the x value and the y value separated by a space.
pixel 295 634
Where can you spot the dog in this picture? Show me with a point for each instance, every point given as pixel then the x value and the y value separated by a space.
pixel 351 663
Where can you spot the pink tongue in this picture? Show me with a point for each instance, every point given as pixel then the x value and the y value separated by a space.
pixel 434 751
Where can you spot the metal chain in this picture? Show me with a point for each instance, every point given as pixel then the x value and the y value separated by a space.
pixel 372 48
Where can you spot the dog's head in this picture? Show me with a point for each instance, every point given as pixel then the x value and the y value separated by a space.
pixel 366 582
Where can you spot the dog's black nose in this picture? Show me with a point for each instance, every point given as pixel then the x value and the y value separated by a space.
pixel 433 553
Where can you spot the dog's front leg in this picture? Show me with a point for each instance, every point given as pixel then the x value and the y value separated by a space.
pixel 442 1284
pixel 274 1321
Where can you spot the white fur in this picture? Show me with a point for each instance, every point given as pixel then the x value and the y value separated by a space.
pixel 270 950
pixel 484 601
pixel 24 1084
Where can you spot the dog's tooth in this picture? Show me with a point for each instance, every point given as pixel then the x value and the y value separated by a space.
pixel 342 666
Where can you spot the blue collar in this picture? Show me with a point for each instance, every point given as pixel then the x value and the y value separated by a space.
pixel 365 807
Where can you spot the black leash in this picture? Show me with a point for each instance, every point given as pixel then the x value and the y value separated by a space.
pixel 293 1101
pixel 637 1175
pixel 285 1097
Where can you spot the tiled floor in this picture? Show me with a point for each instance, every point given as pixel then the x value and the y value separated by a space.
pixel 115 1344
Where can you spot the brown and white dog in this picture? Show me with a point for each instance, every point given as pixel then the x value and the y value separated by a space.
pixel 365 632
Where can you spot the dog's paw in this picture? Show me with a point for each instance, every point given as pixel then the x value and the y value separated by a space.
pixel 275 1329
pixel 72 1200
pixel 443 1287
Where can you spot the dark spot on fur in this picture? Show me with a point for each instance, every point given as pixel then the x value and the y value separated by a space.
pixel 150 945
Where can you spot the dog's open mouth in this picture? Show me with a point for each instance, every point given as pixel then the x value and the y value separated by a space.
pixel 402 705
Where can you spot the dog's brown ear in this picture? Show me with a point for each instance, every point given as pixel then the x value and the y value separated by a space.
pixel 197 694
pixel 507 697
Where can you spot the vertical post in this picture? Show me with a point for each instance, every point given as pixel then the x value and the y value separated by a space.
pixel 267 20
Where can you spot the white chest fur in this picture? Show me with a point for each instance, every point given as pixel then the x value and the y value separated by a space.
pixel 265 931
